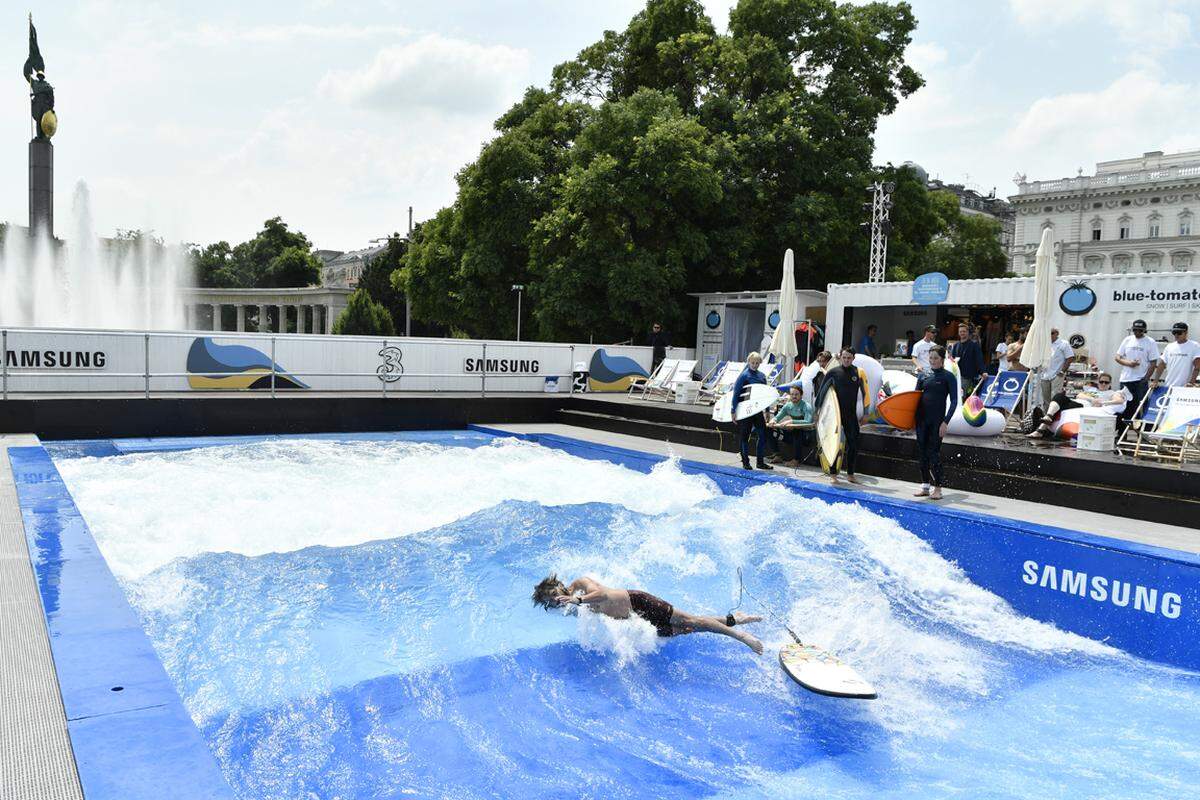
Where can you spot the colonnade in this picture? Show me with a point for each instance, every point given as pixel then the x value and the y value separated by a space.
pixel 298 317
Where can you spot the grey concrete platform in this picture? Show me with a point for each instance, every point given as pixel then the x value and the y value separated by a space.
pixel 36 762
pixel 1131 530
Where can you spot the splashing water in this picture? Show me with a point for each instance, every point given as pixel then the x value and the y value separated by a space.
pixel 88 283
pixel 352 619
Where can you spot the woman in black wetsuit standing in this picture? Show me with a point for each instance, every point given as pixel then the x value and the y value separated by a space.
pixel 938 387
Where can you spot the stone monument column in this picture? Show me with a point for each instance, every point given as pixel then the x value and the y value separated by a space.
pixel 41 186
pixel 241 318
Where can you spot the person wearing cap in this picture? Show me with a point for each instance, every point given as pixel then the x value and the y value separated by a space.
pixel 1061 354
pixel 1136 355
pixel 920 350
pixel 1180 359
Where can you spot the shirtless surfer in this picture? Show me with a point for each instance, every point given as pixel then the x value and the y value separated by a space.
pixel 621 603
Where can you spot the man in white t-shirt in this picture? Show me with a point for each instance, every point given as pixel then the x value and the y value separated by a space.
pixel 1180 359
pixel 1002 351
pixel 1136 355
pixel 920 353
pixel 1061 354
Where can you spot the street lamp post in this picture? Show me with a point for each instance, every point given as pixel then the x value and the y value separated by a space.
pixel 518 288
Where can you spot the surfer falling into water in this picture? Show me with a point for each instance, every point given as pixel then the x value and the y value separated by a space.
pixel 623 603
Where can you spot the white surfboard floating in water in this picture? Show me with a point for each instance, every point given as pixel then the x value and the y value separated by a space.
pixel 756 398
pixel 822 672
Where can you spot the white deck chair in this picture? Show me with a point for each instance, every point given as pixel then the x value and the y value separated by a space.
pixel 723 384
pixel 683 372
pixel 664 373
pixel 1176 434
pixel 1143 420
pixel 771 372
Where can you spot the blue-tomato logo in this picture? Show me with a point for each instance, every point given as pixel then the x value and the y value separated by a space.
pixel 1077 299
pixel 773 320
pixel 713 320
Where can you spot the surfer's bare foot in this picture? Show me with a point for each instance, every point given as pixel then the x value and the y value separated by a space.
pixel 922 492
pixel 742 619
pixel 852 478
pixel 752 643
pixel 936 494
pixel 834 478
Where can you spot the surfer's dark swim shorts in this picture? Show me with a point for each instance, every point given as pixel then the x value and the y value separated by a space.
pixel 654 610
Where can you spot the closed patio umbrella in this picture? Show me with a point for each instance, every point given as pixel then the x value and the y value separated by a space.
pixel 783 343
pixel 1036 351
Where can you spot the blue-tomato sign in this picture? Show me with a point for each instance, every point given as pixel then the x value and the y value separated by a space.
pixel 930 289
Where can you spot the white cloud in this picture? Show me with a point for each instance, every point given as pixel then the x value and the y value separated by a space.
pixel 1148 26
pixel 213 35
pixel 434 72
pixel 1135 113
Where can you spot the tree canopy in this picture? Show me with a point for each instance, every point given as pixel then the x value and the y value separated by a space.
pixel 276 257
pixel 668 158
pixel 363 317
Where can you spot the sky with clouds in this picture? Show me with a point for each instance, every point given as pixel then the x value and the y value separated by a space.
pixel 200 120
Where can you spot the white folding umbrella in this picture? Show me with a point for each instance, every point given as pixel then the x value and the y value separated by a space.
pixel 783 343
pixel 1036 351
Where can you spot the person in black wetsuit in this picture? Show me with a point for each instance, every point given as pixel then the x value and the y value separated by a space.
pixel 849 382
pixel 624 603
pixel 938 387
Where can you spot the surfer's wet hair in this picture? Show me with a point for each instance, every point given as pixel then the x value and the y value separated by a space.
pixel 545 592
pixel 941 351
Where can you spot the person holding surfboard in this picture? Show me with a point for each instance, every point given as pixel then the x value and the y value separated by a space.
pixel 625 603
pixel 751 375
pixel 938 387
pixel 847 382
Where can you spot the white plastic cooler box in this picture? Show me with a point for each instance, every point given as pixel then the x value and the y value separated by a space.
pixel 1097 431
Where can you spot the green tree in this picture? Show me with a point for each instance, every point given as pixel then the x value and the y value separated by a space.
pixel 376 279
pixel 293 266
pixel 970 246
pixel 214 266
pixel 363 317
pixel 667 158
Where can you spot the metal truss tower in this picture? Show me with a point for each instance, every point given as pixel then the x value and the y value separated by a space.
pixel 881 225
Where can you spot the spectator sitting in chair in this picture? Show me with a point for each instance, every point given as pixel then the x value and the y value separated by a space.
pixel 1090 396
pixel 792 422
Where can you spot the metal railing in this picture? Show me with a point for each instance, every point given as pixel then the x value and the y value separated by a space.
pixel 388 382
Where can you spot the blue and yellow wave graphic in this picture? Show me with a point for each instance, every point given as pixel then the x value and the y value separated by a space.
pixel 234 366
pixel 612 373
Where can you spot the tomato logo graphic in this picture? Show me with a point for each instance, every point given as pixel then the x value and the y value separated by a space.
pixel 1077 299
pixel 713 320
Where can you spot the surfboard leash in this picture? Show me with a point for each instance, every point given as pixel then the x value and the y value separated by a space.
pixel 743 590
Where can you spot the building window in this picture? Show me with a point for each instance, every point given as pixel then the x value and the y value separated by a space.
pixel 1095 234
pixel 1093 264
pixel 1185 227
pixel 1097 205
pixel 1123 233
pixel 1181 262
pixel 1152 229
pixel 1121 263
pixel 1151 262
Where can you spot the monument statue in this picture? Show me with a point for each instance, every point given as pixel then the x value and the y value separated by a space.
pixel 41 150
pixel 41 93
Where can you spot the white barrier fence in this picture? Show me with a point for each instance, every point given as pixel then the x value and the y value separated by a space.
pixel 58 361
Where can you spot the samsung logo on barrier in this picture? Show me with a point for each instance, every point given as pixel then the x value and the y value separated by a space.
pixel 61 359
pixel 1100 589
pixel 502 366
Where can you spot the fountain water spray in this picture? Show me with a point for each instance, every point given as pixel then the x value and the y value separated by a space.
pixel 89 283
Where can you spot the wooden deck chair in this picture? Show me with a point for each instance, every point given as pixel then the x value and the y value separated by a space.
pixel 666 390
pixel 723 384
pixel 665 371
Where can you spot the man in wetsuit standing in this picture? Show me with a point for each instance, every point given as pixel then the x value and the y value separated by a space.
pixel 625 603
pixel 934 412
pixel 848 381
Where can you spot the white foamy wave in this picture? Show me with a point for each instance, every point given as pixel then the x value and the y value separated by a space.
pixel 147 509
pixel 626 640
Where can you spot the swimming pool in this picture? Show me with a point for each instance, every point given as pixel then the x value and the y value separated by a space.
pixel 349 617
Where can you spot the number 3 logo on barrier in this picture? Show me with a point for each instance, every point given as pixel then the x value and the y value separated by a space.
pixel 391 369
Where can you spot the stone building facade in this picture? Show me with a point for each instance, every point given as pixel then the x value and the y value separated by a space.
pixel 1133 215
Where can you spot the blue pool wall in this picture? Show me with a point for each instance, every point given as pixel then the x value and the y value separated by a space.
pixel 994 553
pixel 137 743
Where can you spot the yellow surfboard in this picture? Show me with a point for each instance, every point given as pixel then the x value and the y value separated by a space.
pixel 829 431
